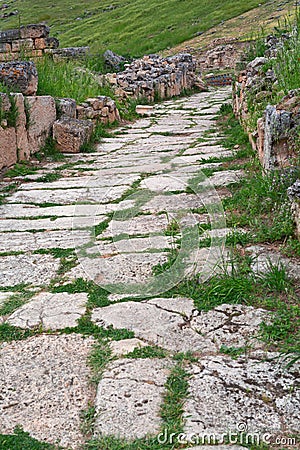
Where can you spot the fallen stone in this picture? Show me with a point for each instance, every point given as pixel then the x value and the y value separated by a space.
pixel 21 75
pixel 45 386
pixel 129 397
pixel 71 134
pixel 50 311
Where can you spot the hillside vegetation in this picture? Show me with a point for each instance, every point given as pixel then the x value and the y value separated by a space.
pixel 129 27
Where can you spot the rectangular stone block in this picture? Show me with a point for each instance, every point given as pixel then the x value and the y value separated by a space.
pixel 9 35
pixel 22 44
pixel 5 47
pixel 23 148
pixel 42 116
pixel 8 147
pixel 40 44
pixel 71 134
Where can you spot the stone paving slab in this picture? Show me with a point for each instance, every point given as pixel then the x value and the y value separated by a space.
pixel 24 241
pixel 45 386
pixel 265 258
pixel 28 269
pixel 175 327
pixel 129 397
pixel 31 211
pixel 131 245
pixel 255 392
pixel 50 311
pixel 92 181
pixel 67 196
pixel 141 225
pixel 59 223
pixel 126 268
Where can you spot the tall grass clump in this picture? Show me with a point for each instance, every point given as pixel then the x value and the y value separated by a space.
pixel 286 63
pixel 67 79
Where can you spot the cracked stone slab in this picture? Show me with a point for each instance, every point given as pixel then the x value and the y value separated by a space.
pixel 256 392
pixel 175 325
pixel 125 346
pixel 67 196
pixel 129 397
pixel 152 324
pixel 28 269
pixel 231 325
pixel 180 305
pixel 50 311
pixel 45 386
pixel 162 183
pixel 26 241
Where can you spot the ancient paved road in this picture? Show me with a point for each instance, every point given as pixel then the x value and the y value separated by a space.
pixel 124 210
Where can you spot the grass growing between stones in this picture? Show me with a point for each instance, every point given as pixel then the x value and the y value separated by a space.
pixel 176 391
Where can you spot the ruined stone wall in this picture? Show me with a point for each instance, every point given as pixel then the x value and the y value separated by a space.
pixel 221 54
pixel 273 135
pixel 154 77
pixel 34 41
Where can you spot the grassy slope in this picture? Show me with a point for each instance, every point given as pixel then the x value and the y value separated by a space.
pixel 134 27
pixel 260 20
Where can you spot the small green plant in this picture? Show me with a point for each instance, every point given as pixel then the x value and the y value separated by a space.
pixel 20 170
pixel 147 352
pixel 50 151
pixel 234 352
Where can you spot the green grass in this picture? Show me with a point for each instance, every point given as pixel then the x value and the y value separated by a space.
pixel 65 79
pixel 147 352
pixel 20 170
pixel 125 27
pixel 21 440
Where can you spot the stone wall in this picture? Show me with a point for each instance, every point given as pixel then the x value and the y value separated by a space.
pixel 221 53
pixel 34 41
pixel 26 123
pixel 272 136
pixel 154 77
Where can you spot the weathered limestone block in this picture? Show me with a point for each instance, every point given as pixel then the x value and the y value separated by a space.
pixel 21 131
pixel 22 44
pixel 4 102
pixel 67 107
pixel 276 149
pixel 68 53
pixel 8 147
pixel 42 116
pixel 21 75
pixel 9 35
pixel 5 47
pixel 71 134
pixel 34 31
pixel 294 195
pixel 40 43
